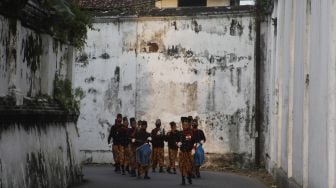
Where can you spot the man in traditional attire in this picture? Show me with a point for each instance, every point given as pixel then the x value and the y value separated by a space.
pixel 143 151
pixel 158 136
pixel 116 147
pixel 200 139
pixel 172 139
pixel 139 125
pixel 186 144
pixel 132 147
pixel 124 142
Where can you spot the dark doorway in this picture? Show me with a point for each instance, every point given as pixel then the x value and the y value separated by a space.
pixel 191 3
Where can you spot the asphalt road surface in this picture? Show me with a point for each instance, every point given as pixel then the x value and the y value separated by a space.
pixel 105 177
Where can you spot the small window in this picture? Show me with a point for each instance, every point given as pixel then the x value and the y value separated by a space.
pixel 192 3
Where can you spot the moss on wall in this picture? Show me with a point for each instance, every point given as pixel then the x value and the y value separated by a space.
pixel 64 94
pixel 32 52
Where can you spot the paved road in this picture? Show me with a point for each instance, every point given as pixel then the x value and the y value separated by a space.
pixel 105 177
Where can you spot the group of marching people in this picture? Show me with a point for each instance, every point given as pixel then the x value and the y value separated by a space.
pixel 133 153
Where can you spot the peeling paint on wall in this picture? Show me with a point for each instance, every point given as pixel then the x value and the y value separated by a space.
pixel 111 101
pixel 195 27
pixel 236 29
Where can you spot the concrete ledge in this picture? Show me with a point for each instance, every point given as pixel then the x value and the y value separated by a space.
pixel 37 110
pixel 40 115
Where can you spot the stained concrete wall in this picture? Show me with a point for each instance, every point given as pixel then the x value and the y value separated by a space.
pixel 167 67
pixel 38 141
pixel 38 155
pixel 29 61
pixel 299 92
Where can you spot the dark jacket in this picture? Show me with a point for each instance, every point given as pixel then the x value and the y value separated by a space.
pixel 123 137
pixel 157 140
pixel 114 134
pixel 198 135
pixel 172 139
pixel 141 137
pixel 187 139
pixel 131 134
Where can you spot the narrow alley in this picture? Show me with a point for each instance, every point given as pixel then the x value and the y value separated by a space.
pixel 105 177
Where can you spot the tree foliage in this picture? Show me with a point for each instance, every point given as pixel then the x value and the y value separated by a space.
pixel 64 18
pixel 66 96
pixel 68 21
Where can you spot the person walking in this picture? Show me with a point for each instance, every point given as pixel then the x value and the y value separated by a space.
pixel 172 139
pixel 186 145
pixel 158 136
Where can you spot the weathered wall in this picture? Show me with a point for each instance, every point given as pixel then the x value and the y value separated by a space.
pixel 166 67
pixel 38 138
pixel 29 61
pixel 38 154
pixel 299 92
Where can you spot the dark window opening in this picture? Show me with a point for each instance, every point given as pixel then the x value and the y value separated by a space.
pixel 192 3
pixel 234 2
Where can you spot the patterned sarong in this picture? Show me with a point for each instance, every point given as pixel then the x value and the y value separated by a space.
pixel 158 157
pixel 185 163
pixel 118 152
pixel 172 153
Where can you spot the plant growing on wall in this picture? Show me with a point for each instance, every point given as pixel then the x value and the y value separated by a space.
pixel 62 18
pixel 66 96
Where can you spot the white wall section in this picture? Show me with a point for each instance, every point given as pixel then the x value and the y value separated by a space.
pixel 167 67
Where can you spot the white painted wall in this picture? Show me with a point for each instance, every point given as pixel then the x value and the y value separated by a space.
pixel 39 155
pixel 211 75
pixel 300 67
